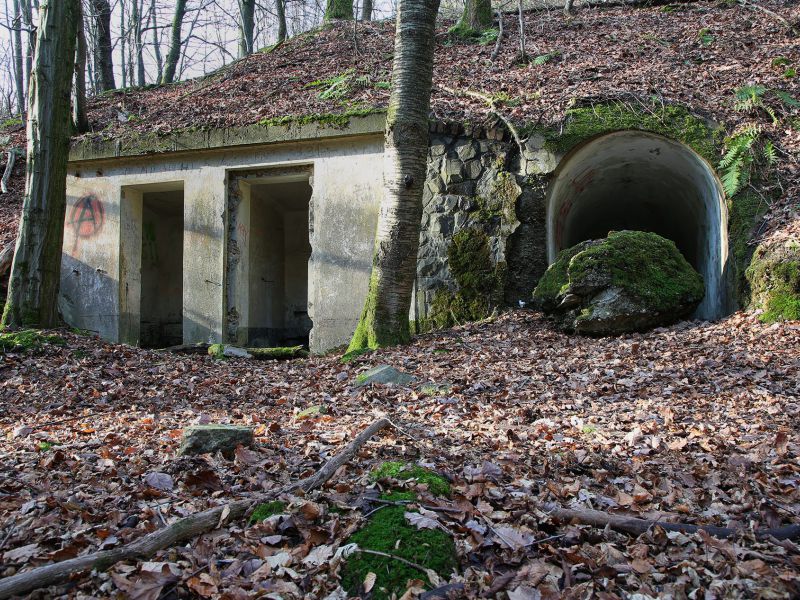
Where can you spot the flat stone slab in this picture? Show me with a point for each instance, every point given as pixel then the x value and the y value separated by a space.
pixel 203 439
pixel 384 374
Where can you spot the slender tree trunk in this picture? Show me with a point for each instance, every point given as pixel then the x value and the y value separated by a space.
pixel 366 11
pixel 103 58
pixel 176 42
pixel 339 9
pixel 523 55
pixel 476 18
pixel 280 10
pixel 568 7
pixel 122 54
pixel 136 28
pixel 79 117
pixel 19 73
pixel 247 10
pixel 384 320
pixel 35 273
pixel 27 16
pixel 156 41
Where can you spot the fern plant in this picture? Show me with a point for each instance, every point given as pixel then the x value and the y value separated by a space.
pixel 743 149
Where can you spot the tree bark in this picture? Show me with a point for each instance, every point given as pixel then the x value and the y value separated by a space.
pixel 366 11
pixel 339 9
pixel 27 17
pixel 175 44
pixel 156 41
pixel 568 7
pixel 103 58
pixel 384 320
pixel 247 9
pixel 280 10
pixel 19 74
pixel 476 18
pixel 136 28
pixel 79 116
pixel 35 273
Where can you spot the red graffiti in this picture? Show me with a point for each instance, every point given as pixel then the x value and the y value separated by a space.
pixel 87 216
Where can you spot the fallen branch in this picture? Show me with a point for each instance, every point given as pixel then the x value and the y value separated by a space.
pixel 12 159
pixel 179 532
pixel 771 13
pixel 636 526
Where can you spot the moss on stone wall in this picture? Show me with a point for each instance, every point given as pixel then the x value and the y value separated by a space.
pixel 671 121
pixel 480 283
pixel 332 119
pixel 774 277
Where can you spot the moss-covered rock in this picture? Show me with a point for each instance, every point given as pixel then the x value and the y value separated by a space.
pixel 774 277
pixel 629 281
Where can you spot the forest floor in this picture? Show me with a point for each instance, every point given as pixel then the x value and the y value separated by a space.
pixel 694 423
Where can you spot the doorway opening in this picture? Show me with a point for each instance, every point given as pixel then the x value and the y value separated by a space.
pixel 161 301
pixel 269 251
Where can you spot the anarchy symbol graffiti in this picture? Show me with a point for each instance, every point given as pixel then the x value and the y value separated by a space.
pixel 87 216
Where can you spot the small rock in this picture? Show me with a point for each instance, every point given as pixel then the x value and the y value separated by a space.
pixel 202 439
pixel 234 352
pixel 384 374
pixel 22 431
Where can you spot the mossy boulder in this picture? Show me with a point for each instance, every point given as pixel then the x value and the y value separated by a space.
pixel 629 281
pixel 437 485
pixel 203 439
pixel 774 277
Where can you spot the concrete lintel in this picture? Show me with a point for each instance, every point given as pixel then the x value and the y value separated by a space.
pixel 136 145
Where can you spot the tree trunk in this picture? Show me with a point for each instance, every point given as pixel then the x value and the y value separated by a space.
pixel 476 18
pixel 568 7
pixel 19 74
pixel 156 41
pixel 247 9
pixel 384 320
pixel 27 16
pixel 280 10
pixel 366 11
pixel 339 9
pixel 35 273
pixel 79 117
pixel 103 58
pixel 175 44
pixel 136 28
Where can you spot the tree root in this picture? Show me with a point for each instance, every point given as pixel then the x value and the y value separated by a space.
pixel 179 532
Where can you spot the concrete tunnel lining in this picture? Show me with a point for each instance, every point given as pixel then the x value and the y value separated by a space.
pixel 643 181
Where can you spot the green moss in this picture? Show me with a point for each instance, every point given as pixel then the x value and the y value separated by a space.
pixel 674 122
pixel 437 484
pixel 644 265
pixel 340 120
pixel 480 282
pixel 744 211
pixel 27 339
pixel 388 531
pixel 774 277
pixel 374 331
pixel 264 511
pixel 278 353
pixel 399 496
pixel 217 351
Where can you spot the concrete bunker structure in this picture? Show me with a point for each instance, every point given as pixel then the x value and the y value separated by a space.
pixel 643 181
pixel 263 235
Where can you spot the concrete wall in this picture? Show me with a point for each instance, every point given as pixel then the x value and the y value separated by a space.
pixel 101 261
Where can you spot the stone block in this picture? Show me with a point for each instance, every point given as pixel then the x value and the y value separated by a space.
pixel 466 150
pixel 384 374
pixel 203 439
pixel 473 169
pixel 452 171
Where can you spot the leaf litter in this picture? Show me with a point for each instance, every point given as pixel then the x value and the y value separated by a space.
pixel 695 423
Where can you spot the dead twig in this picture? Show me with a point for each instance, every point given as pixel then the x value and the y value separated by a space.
pixel 179 532
pixel 771 13
pixel 499 41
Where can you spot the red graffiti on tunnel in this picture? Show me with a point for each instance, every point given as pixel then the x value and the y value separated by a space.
pixel 87 216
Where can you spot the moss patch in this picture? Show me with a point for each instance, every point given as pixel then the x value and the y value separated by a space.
pixel 774 276
pixel 264 511
pixel 674 122
pixel 217 351
pixel 400 471
pixel 389 532
pixel 27 339
pixel 480 282
pixel 340 120
pixel 556 279
pixel 278 353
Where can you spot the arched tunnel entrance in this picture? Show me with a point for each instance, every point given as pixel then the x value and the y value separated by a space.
pixel 643 181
